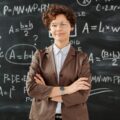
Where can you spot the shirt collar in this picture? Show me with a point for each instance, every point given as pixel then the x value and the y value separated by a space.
pixel 64 50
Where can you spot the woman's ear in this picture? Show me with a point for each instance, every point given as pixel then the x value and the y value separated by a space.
pixel 49 31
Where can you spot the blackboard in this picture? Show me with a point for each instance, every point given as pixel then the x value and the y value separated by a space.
pixel 97 32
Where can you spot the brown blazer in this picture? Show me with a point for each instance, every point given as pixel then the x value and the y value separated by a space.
pixel 74 105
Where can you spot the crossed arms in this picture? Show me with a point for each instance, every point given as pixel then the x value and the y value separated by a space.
pixel 56 94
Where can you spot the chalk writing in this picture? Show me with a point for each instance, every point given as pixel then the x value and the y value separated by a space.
pixel 35 38
pixel 75 42
pixel 115 79
pixel 107 8
pixel 22 27
pixel 112 56
pixel 14 78
pixel 100 91
pixel 23 9
pixel 81 13
pixel 22 32
pixel 1 91
pixel 1 53
pixel 28 99
pixel 100 28
pixel 83 2
pixel 17 55
pixel 8 92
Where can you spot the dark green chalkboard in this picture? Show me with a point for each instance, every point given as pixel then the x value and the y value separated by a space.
pixel 97 32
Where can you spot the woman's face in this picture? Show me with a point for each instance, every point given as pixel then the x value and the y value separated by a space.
pixel 60 28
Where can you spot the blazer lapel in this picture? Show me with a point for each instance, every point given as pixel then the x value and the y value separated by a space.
pixel 69 57
pixel 50 57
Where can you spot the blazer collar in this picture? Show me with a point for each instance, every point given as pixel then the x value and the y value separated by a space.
pixel 49 50
pixel 69 57
pixel 50 57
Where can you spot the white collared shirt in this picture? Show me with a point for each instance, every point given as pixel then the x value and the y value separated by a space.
pixel 60 56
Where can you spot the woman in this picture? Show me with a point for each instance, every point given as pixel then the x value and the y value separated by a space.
pixel 59 76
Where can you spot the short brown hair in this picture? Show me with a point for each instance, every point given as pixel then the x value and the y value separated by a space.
pixel 56 9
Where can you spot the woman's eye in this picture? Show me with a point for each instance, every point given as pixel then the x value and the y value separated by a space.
pixel 63 24
pixel 54 25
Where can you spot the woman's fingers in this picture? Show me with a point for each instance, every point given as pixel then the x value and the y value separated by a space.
pixel 39 79
pixel 83 87
pixel 84 83
pixel 38 75
pixel 82 79
pixel 80 84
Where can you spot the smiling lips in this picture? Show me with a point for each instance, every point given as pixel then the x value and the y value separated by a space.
pixel 59 34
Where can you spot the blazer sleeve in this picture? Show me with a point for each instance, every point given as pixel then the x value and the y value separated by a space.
pixel 33 89
pixel 82 95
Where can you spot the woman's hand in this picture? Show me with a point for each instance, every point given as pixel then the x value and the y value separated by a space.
pixel 80 84
pixel 38 79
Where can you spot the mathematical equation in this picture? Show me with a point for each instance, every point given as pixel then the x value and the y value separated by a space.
pixel 107 8
pixel 12 91
pixel 100 28
pixel 20 54
pixel 110 82
pixel 13 78
pixel 113 56
pixel 100 7
pixel 10 86
pixel 115 79
pixel 22 27
pixel 23 9
pixel 26 28
pixel 35 7
pixel 8 92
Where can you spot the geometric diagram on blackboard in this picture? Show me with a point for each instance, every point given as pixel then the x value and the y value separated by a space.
pixel 83 2
pixel 73 33
pixel 100 90
pixel 20 54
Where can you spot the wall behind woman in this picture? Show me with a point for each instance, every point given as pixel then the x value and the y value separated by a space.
pixel 97 32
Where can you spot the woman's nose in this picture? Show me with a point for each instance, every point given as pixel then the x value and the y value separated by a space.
pixel 59 27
